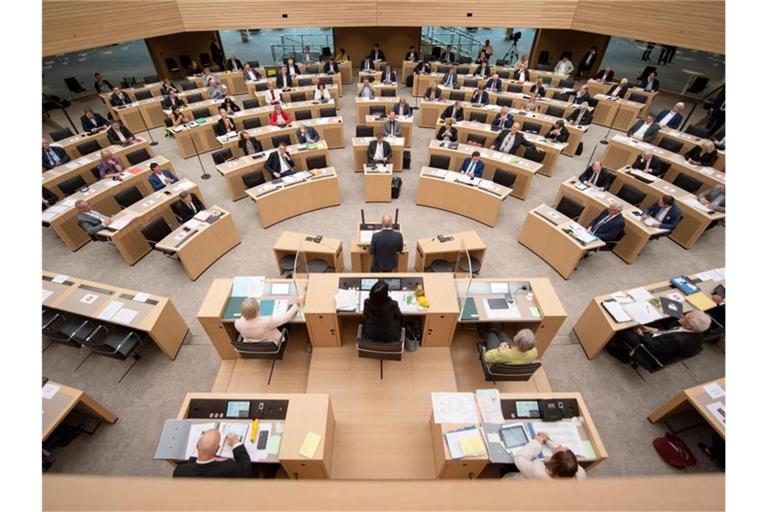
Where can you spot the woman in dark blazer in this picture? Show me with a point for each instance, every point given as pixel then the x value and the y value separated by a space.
pixel 381 315
pixel 248 144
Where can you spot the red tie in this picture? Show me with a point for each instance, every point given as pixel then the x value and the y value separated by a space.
pixel 273 93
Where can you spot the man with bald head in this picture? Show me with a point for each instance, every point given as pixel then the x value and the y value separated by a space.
pixel 507 141
pixel 385 246
pixel 206 464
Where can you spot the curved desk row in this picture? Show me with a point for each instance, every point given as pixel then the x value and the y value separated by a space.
pixel 330 129
pixel 257 90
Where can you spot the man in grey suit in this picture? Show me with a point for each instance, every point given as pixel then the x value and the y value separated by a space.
pixel 385 246
pixel 90 220
pixel 392 125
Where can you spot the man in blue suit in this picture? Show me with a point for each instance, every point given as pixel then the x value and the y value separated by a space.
pixel 671 118
pixel 663 214
pixel 160 177
pixel 53 156
pixel 609 225
pixel 479 97
pixel 473 166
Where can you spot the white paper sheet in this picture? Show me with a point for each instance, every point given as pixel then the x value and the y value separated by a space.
pixel 112 308
pixel 454 408
pixel 714 390
pixel 717 410
pixel 500 288
pixel 46 294
pixel 141 297
pixel 511 312
pixel 640 294
pixel 125 316
pixel 59 278
pixel 489 402
pixel 642 312
pixel 616 311
pixel 563 433
pixel 50 390
pixel 281 288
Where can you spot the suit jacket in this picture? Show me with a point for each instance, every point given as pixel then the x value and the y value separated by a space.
pixel 654 84
pixel 452 133
pixel 383 322
pixel 563 137
pixel 608 231
pixel 494 85
pixel 650 133
pixel 674 122
pixel 295 67
pixel 367 65
pixel 372 150
pixel 438 94
pixel 603 180
pixel 654 167
pixel 185 212
pixel 256 145
pixel 391 77
pixel 670 220
pixel 524 73
pixel 538 89
pixel 480 98
pixel 483 71
pixel 450 79
pixel 88 123
pixel 96 85
pixel 478 170
pixel 273 162
pixel 89 223
pixel 310 135
pixel 330 67
pixel 507 123
pixel 157 183
pixel 255 72
pixel 707 159
pixel 170 104
pixel 518 141
pixel 423 67
pixel 221 128
pixel 620 92
pixel 238 467
pixel 374 55
pixel 405 111
pixel 448 57
pixel 581 99
pixel 585 119
pixel 48 162
pixel 412 56
pixel 392 127
pixel 670 346
pixel 385 246
pixel 283 81
pixel 49 197
pixel 608 77
pixel 112 134
pixel 118 101
pixel 458 116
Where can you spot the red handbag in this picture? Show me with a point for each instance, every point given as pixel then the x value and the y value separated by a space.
pixel 674 451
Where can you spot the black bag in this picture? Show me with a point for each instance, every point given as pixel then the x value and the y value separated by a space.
pixel 406 159
pixel 639 355
pixel 409 81
pixel 579 149
pixel 397 184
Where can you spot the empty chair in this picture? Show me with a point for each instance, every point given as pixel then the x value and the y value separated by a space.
pixel 63 328
pixel 73 85
pixel 593 102
pixel 72 185
pixel 298 96
pixel 514 88
pixel 562 96
pixel 302 115
pixel 377 110
pixel 463 70
pixel 205 59
pixel 253 179
pixel 260 86
pixel 194 98
pixel 473 138
pixel 472 264
pixel 388 92
pixel 253 63
pixel 555 111
pixel 440 266
pixel 116 342
pixel 281 139
pixel 221 156
pixel 567 84
pixel 86 148
pixel 639 98
pixel 504 178
pixel 504 102
pixel 317 266
pixel 531 127
pixel 201 113
pixel 328 112
pixel 697 131
pixel 363 131
pixel 259 350
pixel 443 69
pixel 156 231
pixel 327 80
pixel 60 134
pixel 546 81
pixel 631 195
pixel 143 94
pixel 470 82
pixel 188 85
pixel 287 264
pixel 96 173
pixel 671 144
pixel 171 64
pixel 456 96
pixel 250 103
pixel 687 183
pixel 440 161
pixel 664 167
pixel 503 74
pixel 534 155
pixel 129 196
pixel 316 162
pixel 253 122
pixel 570 208
pixel 478 117
pixel 138 156
pixel 303 82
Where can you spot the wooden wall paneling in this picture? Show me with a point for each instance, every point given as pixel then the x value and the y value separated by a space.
pixel 175 45
pixel 556 42
pixel 394 41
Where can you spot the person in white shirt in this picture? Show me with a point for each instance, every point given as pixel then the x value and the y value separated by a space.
pixel 392 125
pixel 644 130
pixel 306 57
pixel 207 76
pixel 272 94
pixel 215 90
pixel 564 66
pixel 668 116
pixel 366 91
pixel 250 74
pixel 620 89
pixel 260 329
pixel 562 464
pixel 321 93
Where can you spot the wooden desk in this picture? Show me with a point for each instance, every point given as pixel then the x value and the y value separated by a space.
pixel 471 467
pixel 221 328
pixel 523 169
pixel 407 68
pixel 695 398
pixel 345 70
pixel 330 129
pixel 636 233
pixel 372 76
pixel 595 327
pixel 378 87
pixel 543 233
pixel 156 316
pixel 406 126
pixel 639 91
pixel 436 189
pixel 256 89
pixel 696 218
pixel 597 87
pixel 324 322
pixel 129 240
pixel 688 141
pixel 360 149
pixel 66 400
pixel 291 243
pixel 140 114
pixel 431 249
pixel 362 259
pixel 623 150
pixel 364 106
pixel 378 184
pixel 69 145
pixel 233 170
pixel 307 412
pixel 199 248
pixel 618 113
pixel 276 205
pixel 62 216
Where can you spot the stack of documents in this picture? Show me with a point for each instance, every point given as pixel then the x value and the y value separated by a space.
pixel 642 312
pixel 581 234
pixel 347 300
pixel 248 286
pixel 366 235
pixel 465 442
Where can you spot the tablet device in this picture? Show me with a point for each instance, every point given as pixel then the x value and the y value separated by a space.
pixel 513 436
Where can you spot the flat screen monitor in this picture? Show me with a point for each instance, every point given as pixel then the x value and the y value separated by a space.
pixel 238 409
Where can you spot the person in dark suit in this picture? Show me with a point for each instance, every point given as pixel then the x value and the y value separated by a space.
pixel 620 89
pixel 558 132
pixel 229 105
pixel 250 74
pixel 173 101
pixel 381 314
pixel 587 61
pixel 433 93
pixel 595 176
pixel 479 97
pixel 503 119
pixel 330 67
pixel 92 121
pixel 160 177
pixel 388 76
pixel 101 85
pixel 671 118
pixel 412 54
pixel 367 65
pixel 248 144
pixel 53 156
pixel 206 465
pixel 449 79
pixel 646 129
pixel 166 87
pixel 90 220
pixel 580 116
pixel 217 52
pixel 402 108
pixel 280 163
pixel 376 53
pixel 448 132
pixel 385 246
pixel 187 206
pixel 455 112
pixel 604 75
pixel 538 89
pixel 494 83
pixel 234 64
pixel 283 79
pixel 379 150
pixel 49 198
pixel 473 166
pixel 483 70
pixel 448 56
pixel 194 69
pixel 292 68
pixel 651 83
pixel 706 154
pixel 119 134
pixel 225 123
pixel 423 66
pixel 119 98
pixel 609 225
pixel 582 95
pixel 663 214
pixel 507 141
pixel 646 162
pixel 307 134
pixel 522 74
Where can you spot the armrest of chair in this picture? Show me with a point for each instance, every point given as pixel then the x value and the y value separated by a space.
pixel 81 326
pixel 125 340
pixel 98 327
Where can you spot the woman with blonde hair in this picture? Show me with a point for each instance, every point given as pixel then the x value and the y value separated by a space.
pixel 260 329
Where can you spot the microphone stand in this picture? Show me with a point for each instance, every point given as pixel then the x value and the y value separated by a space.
pixel 615 115
pixel 146 128
pixel 205 175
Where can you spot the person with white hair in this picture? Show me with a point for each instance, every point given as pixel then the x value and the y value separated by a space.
pixel 620 89
pixel 671 118
pixel 519 350
pixel 609 225
pixel 580 116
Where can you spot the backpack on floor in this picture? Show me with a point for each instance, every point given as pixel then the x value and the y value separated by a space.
pixel 406 159
pixel 409 81
pixel 579 149
pixel 674 451
pixel 397 184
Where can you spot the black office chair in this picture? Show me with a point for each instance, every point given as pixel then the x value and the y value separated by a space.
pixel 534 155
pixel 473 138
pixel 201 113
pixel 531 127
pixel 129 196
pixel 72 185
pixel 303 82
pixel 316 162
pixel 670 144
pixel 561 96
pixel 363 131
pixel 317 266
pixel 506 372
pixel 611 176
pixel 478 117
pixel 463 70
pixel 253 122
pixel 302 115
pixel 664 168
pixel 377 110
pixel 313 69
pixel 456 96
pixel 143 95
pixel 63 329
pixel 697 131
pixel 440 266
pixel 260 86
pixel 250 103
pixel 631 195
pixel 504 178
pixel 86 148
pixel 262 350
pixel 555 111
pixel 443 69
pixel 287 264
pixel 470 82
pixel 504 102
pixel 187 85
pixel 473 263
pixel 195 98
pixel 253 63
pixel 281 139
pixel 440 161
pixel 116 342
pixel 567 84
pixel 156 231
pixel 138 156
pixel 593 102
pixel 636 97
pixel 388 92
pixel 171 64
pixel 205 60
pixel 570 208
pixel 221 156
pixel 298 96
pixel 546 81
pixel 326 80
pixel 253 179
pixel 381 350
pixel 61 133
pixel 328 112
pixel 73 85
pixel 687 183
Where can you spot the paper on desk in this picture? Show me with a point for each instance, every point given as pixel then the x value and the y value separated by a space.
pixel 112 308
pixel 621 297
pixel 640 294
pixel 281 288
pixel 250 447
pixel 59 278
pixel 248 286
pixel 700 301
pixel 511 312
pixel 347 300
pixel 125 316
pixel 147 204
pixel 616 311
pixel 589 450
pixel 564 433
pixel 454 408
pixel 50 390
pixel 310 444
pixel 714 390
pixel 123 220
pixel 273 444
pixel 489 402
pixel 184 185
pixel 141 297
pixel 692 201
pixel 366 236
pixel 500 288
pixel 642 312
pixel 46 294
pixel 68 203
pixel 472 446
pixel 454 441
pixel 650 222
pixel 717 410
pixel 535 312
